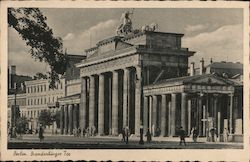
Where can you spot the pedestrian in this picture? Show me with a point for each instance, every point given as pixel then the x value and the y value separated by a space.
pixel 194 133
pixel 148 136
pixel 127 134
pixel 41 137
pixel 83 132
pixel 123 134
pixel 182 134
pixel 9 132
pixel 225 135
pixel 14 132
pixel 87 132
pixel 78 132
pixel 212 131
pixel 93 130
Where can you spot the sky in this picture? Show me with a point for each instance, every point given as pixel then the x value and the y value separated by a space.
pixel 212 33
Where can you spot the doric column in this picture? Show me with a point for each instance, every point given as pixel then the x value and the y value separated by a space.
pixel 138 101
pixel 169 117
pixel 115 103
pixel 92 101
pixel 189 115
pixel 125 96
pixel 145 113
pixel 231 114
pixel 183 111
pixel 163 115
pixel 204 117
pixel 62 120
pixel 173 112
pixel 75 107
pixel 216 112
pixel 150 107
pixel 200 116
pixel 66 119
pixel 101 105
pixel 154 114
pixel 70 107
pixel 83 105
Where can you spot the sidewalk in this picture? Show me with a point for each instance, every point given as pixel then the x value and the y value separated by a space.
pixel 132 138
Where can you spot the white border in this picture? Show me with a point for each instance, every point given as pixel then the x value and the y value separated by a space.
pixel 144 154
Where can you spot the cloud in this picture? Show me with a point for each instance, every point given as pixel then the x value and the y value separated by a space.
pixel 193 28
pixel 18 54
pixel 69 36
pixel 223 44
pixel 26 65
pixel 88 38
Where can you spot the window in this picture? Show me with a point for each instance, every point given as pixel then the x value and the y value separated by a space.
pixel 31 102
pixel 53 99
pixel 41 88
pixel 34 114
pixel 45 87
pixel 37 88
pixel 38 101
pixel 31 113
pixel 45 100
pixel 28 102
pixel 34 101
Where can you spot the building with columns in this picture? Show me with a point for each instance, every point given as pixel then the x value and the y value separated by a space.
pixel 141 80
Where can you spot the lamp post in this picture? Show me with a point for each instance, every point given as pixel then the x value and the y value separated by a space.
pixel 13 112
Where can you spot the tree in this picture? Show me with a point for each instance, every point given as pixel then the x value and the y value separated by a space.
pixel 21 125
pixel 56 118
pixel 33 29
pixel 40 76
pixel 45 118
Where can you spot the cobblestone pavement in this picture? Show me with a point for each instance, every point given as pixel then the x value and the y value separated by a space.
pixel 100 142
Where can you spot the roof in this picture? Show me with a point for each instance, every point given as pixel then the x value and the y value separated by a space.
pixel 226 65
pixel 76 56
pixel 192 79
pixel 74 96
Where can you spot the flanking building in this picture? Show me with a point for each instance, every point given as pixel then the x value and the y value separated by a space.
pixel 40 97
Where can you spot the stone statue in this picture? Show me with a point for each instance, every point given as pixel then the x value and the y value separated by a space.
pixel 126 24
pixel 151 27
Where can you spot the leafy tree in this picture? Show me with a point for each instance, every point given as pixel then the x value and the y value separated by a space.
pixel 45 118
pixel 40 76
pixel 33 29
pixel 21 125
pixel 56 118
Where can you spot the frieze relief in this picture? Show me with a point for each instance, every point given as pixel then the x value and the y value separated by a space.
pixel 164 90
pixel 188 89
pixel 110 65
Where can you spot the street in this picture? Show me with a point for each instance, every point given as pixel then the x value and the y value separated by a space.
pixel 105 142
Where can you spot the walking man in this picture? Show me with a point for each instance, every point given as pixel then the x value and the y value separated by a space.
pixel 123 134
pixel 182 136
pixel 127 134
pixel 41 137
